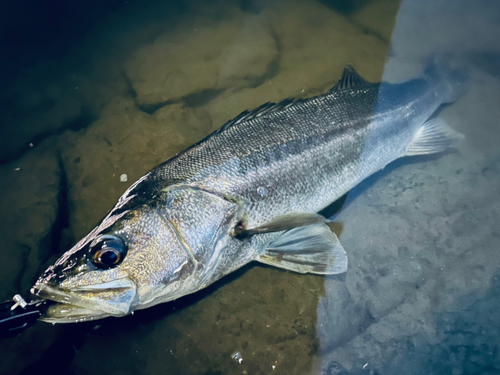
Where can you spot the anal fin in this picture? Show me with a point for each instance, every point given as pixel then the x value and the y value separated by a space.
pixel 310 249
pixel 434 136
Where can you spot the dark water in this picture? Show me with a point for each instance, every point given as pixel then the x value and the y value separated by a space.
pixel 97 89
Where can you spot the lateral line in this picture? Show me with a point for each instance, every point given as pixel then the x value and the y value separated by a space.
pixel 199 188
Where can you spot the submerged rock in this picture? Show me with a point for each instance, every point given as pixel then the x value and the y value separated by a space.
pixel 39 103
pixel 419 269
pixel 68 92
pixel 204 56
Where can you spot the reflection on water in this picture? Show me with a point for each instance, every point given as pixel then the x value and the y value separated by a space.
pixel 131 87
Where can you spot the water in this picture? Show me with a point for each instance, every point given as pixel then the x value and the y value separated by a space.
pixel 92 92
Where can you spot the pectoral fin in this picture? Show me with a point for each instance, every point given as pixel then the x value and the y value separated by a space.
pixel 281 223
pixel 309 249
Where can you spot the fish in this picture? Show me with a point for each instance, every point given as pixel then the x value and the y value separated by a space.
pixel 250 191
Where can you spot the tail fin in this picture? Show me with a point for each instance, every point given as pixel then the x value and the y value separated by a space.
pixel 451 73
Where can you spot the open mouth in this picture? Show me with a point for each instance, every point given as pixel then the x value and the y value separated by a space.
pixel 84 303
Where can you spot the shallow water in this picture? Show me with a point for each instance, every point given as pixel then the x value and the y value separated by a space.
pixel 95 91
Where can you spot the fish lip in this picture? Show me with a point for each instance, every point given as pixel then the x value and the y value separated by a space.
pixel 118 284
pixel 72 298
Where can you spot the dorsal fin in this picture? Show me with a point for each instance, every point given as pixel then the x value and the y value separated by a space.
pixel 350 79
pixel 261 110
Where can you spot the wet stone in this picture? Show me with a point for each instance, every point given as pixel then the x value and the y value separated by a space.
pixel 232 54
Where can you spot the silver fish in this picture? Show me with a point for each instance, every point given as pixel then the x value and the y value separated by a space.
pixel 249 191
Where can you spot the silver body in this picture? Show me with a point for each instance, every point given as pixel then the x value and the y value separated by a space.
pixel 178 219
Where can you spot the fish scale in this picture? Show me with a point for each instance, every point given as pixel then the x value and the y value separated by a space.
pixel 328 143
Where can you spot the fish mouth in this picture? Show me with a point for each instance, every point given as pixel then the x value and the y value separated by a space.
pixel 88 302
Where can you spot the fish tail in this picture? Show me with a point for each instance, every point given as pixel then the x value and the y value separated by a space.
pixel 449 72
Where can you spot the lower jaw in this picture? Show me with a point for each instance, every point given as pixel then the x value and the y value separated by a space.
pixel 68 307
pixel 66 313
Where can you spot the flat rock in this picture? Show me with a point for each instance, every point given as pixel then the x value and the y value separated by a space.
pixel 203 56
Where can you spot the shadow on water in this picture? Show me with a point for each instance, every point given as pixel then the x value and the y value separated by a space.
pixel 487 61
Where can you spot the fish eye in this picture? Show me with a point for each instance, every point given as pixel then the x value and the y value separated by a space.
pixel 107 251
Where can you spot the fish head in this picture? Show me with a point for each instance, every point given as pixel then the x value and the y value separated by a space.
pixel 156 251
pixel 132 260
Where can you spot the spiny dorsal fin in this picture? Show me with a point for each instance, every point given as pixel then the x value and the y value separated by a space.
pixel 350 79
pixel 260 111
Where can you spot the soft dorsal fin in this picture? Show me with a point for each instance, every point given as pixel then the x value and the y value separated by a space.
pixel 350 79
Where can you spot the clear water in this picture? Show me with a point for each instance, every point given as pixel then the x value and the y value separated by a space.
pixel 95 90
